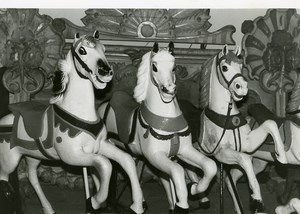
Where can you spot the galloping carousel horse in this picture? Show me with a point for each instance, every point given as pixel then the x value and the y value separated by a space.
pixel 225 134
pixel 69 129
pixel 289 128
pixel 156 129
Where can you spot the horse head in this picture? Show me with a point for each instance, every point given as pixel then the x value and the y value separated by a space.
pixel 90 61
pixel 229 67
pixel 163 71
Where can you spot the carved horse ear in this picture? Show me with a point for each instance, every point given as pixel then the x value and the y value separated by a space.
pixel 237 51
pixel 155 47
pixel 76 36
pixel 97 35
pixel 225 50
pixel 171 48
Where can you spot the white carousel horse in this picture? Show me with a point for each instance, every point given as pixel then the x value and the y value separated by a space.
pixel 69 129
pixel 156 129
pixel 225 134
pixel 289 128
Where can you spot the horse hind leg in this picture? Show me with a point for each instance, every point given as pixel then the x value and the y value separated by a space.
pixel 32 164
pixel 257 136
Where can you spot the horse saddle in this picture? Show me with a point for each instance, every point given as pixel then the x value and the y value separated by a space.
pixel 260 113
pixel 34 115
pixel 124 106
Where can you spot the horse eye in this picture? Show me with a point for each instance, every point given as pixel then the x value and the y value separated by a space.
pixel 224 68
pixel 82 51
pixel 154 68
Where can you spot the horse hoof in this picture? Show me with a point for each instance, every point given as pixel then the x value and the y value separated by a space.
pixel 180 210
pixel 189 189
pixel 256 206
pixel 204 205
pixel 133 212
pixel 89 208
pixel 172 211
pixel 145 206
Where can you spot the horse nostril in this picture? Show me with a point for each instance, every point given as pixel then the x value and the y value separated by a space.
pixel 111 72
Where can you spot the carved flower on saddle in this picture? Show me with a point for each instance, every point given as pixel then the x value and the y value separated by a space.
pixel 272 52
pixel 32 50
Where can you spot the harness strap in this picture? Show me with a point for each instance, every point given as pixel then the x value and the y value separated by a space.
pixel 223 132
pixel 43 150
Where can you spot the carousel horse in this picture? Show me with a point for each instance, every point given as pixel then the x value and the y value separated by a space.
pixel 69 129
pixel 156 128
pixel 289 128
pixel 225 133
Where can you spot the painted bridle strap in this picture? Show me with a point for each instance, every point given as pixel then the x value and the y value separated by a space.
pixel 219 70
pixel 75 55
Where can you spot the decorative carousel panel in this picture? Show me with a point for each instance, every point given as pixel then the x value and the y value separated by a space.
pixel 186 25
pixel 33 49
pixel 272 53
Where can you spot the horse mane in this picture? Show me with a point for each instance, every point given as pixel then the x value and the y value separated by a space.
pixel 140 90
pixel 205 75
pixel 294 102
pixel 61 78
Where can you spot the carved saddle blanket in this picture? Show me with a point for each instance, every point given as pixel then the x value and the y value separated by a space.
pixel 37 120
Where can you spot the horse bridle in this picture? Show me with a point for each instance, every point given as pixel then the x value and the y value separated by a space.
pixel 82 63
pixel 219 70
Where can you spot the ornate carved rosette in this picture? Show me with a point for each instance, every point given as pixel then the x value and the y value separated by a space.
pixel 31 49
pixel 149 23
pixel 272 53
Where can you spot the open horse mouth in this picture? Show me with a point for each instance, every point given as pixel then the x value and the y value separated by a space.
pixel 167 95
pixel 236 96
pixel 100 82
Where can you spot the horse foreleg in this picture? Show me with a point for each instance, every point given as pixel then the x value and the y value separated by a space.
pixel 257 136
pixel 128 164
pixel 292 206
pixel 170 192
pixel 176 172
pixel 236 174
pixel 193 157
pixel 232 157
pixel 33 178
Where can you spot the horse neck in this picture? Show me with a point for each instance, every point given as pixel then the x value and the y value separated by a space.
pixel 219 97
pixel 155 104
pixel 79 98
